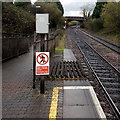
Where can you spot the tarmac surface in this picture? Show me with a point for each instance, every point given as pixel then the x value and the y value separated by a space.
pixel 19 100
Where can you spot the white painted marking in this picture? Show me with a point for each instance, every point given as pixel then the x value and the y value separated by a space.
pixel 78 87
pixel 93 95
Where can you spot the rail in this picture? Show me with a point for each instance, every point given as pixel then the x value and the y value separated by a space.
pixel 116 111
pixel 110 45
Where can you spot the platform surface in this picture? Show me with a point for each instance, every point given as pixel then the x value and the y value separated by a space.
pixel 76 83
pixel 68 55
pixel 81 101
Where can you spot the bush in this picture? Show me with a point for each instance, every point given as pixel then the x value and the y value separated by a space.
pixel 60 32
pixel 55 15
pixel 111 15
pixel 17 20
pixel 95 24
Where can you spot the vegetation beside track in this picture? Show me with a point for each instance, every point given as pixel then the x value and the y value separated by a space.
pixel 105 21
pixel 115 37
pixel 112 37
pixel 20 16
pixel 60 46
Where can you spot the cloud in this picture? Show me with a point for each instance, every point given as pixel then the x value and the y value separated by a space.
pixel 73 8
pixel 73 13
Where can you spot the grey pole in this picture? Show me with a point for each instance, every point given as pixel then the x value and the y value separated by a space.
pixel 34 57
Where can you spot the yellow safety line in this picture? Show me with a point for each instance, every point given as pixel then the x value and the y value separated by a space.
pixel 54 103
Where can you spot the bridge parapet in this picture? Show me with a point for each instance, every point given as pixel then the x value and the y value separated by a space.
pixel 75 18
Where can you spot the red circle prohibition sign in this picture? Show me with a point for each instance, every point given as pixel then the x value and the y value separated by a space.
pixel 42 59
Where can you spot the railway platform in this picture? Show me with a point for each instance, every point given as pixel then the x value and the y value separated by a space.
pixel 68 55
pixel 62 98
pixel 81 102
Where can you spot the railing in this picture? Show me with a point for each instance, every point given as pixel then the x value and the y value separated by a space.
pixel 14 45
pixel 49 44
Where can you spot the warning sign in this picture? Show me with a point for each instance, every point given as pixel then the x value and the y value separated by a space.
pixel 42 63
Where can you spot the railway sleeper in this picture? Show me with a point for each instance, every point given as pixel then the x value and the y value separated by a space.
pixel 109 80
pixel 109 85
pixel 100 68
pixel 102 71
pixel 118 105
pixel 115 97
pixel 113 90
pixel 97 65
pixel 105 75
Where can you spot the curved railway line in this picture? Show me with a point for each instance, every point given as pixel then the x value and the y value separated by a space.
pixel 103 71
pixel 113 47
pixel 110 51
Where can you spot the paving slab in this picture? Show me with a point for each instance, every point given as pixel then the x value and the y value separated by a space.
pixel 76 83
pixel 19 100
pixel 81 102
pixel 78 112
pixel 68 55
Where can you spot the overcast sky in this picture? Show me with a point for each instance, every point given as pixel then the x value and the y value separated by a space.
pixel 73 7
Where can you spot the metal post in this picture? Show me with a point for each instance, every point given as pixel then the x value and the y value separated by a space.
pixel 47 42
pixel 42 83
pixel 34 50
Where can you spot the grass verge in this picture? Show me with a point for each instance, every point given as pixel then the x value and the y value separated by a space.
pixel 60 46
pixel 111 36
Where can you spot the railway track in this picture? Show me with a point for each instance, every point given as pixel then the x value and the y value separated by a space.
pixel 106 50
pixel 113 47
pixel 105 73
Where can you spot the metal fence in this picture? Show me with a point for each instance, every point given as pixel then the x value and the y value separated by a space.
pixel 15 46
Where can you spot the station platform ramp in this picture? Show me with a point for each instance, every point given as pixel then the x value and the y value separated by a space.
pixel 79 99
pixel 68 55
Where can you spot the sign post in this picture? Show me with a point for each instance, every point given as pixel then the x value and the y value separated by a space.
pixel 34 50
pixel 41 66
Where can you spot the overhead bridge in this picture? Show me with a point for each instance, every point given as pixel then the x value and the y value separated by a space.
pixel 75 18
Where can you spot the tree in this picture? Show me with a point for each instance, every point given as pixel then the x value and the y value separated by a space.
pixel 95 24
pixel 55 15
pixel 22 4
pixel 16 19
pixel 60 7
pixel 98 9
pixel 25 5
pixel 87 10
pixel 111 16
